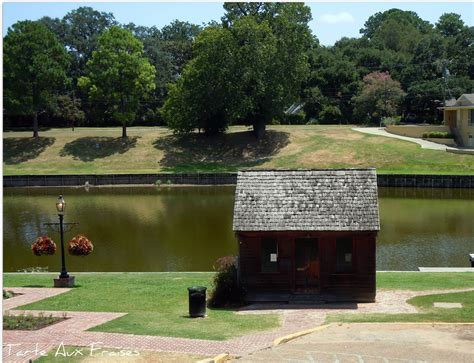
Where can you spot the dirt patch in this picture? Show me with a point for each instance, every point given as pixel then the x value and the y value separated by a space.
pixel 343 134
pixel 326 157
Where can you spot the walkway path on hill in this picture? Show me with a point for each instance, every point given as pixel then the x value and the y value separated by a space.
pixel 72 331
pixel 380 131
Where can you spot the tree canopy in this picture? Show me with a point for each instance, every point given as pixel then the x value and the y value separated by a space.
pixel 34 72
pixel 118 75
pixel 251 67
pixel 260 64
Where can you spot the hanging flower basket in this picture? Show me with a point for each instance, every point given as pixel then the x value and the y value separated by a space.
pixel 43 246
pixel 80 245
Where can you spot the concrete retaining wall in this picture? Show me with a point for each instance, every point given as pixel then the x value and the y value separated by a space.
pixel 384 180
pixel 415 130
pixel 425 181
pixel 119 179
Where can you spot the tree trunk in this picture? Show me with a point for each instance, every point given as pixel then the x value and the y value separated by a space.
pixel 124 130
pixel 259 129
pixel 35 125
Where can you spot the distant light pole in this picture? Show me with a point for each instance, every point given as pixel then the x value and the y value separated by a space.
pixel 61 207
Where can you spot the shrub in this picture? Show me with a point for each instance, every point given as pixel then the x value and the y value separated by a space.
pixel 386 121
pixel 7 294
pixel 80 246
pixel 226 290
pixel 43 246
pixel 437 135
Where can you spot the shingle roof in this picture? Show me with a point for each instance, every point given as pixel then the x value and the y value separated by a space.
pixel 306 200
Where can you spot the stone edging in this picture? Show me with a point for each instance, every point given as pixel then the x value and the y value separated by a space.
pixel 383 180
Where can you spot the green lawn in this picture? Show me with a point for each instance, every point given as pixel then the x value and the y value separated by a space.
pixel 157 304
pixel 428 312
pixel 425 281
pixel 156 149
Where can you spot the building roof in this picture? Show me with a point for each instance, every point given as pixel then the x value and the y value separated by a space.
pixel 306 200
pixel 466 100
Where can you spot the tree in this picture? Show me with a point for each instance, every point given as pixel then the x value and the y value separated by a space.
pixel 35 65
pixel 82 28
pixel 69 109
pixel 332 80
pixel 381 96
pixel 279 80
pixel 250 70
pixel 206 94
pixel 450 24
pixel 401 17
pixel 118 75
pixel 177 40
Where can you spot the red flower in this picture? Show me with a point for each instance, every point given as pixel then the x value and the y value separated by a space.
pixel 43 246
pixel 80 246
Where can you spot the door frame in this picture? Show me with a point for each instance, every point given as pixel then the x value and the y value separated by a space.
pixel 317 241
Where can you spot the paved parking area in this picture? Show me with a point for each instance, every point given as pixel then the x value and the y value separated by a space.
pixel 376 343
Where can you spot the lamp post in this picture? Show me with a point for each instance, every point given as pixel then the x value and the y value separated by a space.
pixel 64 280
pixel 61 207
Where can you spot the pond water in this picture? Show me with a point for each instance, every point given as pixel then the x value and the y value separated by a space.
pixel 188 228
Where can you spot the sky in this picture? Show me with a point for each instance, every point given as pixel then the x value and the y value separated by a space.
pixel 331 21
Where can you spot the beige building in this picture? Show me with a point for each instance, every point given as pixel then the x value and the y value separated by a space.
pixel 459 117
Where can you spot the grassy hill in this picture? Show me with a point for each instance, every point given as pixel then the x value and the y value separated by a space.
pixel 156 149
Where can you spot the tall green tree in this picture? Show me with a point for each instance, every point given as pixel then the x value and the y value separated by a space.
pixel 332 81
pixel 206 95
pixel 279 82
pixel 118 75
pixel 374 22
pixel 177 41
pixel 82 29
pixel 450 24
pixel 34 67
pixel 262 62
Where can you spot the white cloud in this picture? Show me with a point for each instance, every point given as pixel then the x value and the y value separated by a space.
pixel 338 18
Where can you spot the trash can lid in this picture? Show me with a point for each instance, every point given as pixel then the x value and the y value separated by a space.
pixel 197 289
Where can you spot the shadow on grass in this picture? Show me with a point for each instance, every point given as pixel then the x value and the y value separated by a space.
pixel 225 150
pixel 20 149
pixel 91 148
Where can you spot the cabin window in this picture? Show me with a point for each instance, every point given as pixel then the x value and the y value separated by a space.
pixel 344 255
pixel 269 255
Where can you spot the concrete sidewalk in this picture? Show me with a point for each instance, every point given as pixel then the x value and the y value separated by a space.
pixel 382 342
pixel 380 131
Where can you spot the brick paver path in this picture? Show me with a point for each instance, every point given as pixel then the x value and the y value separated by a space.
pixel 72 331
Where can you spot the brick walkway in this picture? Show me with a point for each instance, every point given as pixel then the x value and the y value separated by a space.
pixel 72 331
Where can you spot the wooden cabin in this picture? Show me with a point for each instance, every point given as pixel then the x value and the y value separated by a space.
pixel 307 234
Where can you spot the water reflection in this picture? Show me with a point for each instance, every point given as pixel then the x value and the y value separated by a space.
pixel 188 228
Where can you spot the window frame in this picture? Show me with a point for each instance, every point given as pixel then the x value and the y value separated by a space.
pixel 275 269
pixel 343 268
pixel 470 117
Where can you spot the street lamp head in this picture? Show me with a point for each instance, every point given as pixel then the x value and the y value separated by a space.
pixel 60 205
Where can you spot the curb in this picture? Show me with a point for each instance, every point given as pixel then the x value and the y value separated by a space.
pixel 217 359
pixel 287 338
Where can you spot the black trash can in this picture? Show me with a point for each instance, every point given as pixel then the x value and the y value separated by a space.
pixel 197 301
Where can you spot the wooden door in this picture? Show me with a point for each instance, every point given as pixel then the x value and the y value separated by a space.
pixel 306 265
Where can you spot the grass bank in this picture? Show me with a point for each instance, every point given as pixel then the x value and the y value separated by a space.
pixel 156 149
pixel 157 303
